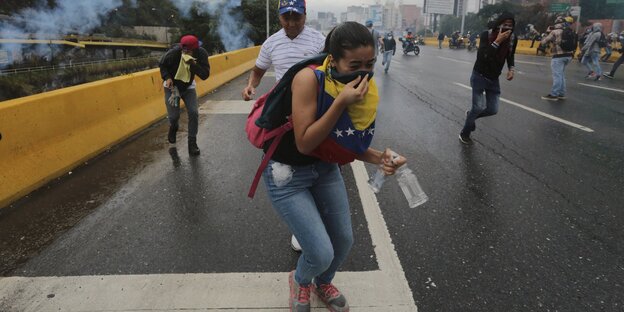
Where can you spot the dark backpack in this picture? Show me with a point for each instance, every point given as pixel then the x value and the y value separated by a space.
pixel 569 40
pixel 602 42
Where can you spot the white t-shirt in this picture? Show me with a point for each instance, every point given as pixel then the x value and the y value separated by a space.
pixel 282 52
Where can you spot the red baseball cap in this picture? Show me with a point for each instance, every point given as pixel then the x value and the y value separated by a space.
pixel 189 42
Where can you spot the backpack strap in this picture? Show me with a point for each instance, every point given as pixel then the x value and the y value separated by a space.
pixel 278 134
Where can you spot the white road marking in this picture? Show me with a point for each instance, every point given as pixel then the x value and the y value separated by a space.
pixel 599 87
pixel 555 118
pixel 227 107
pixel 527 62
pixel 385 289
pixel 454 60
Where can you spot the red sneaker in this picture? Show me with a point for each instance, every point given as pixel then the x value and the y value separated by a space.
pixel 332 297
pixel 299 295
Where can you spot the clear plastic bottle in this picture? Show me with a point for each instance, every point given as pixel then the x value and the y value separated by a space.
pixel 411 188
pixel 407 181
pixel 377 180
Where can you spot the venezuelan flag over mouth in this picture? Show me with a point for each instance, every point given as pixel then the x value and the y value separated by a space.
pixel 353 133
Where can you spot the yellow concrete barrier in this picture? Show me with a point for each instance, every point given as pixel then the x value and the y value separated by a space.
pixel 45 135
pixel 524 47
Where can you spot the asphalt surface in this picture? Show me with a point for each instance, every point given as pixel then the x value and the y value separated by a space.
pixel 528 218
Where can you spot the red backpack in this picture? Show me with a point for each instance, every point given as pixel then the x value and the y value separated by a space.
pixel 265 121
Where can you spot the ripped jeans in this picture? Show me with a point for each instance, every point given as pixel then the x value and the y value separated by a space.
pixel 312 200
pixel 485 100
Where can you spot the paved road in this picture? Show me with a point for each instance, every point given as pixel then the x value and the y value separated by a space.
pixel 529 218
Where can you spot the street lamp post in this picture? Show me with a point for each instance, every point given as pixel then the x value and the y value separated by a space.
pixel 267 19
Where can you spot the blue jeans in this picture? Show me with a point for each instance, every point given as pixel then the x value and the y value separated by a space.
pixel 485 94
pixel 558 65
pixel 590 60
pixel 312 200
pixel 387 58
pixel 189 96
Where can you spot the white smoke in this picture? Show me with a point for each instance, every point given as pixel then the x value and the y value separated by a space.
pixel 231 25
pixel 67 16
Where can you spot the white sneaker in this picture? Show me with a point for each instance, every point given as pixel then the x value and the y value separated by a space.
pixel 294 244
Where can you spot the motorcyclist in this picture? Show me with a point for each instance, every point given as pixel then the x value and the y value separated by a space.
pixel 455 38
pixel 473 39
pixel 408 40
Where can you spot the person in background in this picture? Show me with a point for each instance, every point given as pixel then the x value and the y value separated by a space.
pixel 440 40
pixel 389 48
pixel 376 35
pixel 619 61
pixel 496 46
pixel 293 43
pixel 591 53
pixel 561 57
pixel 609 48
pixel 178 68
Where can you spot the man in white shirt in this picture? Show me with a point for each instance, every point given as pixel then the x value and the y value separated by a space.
pixel 293 43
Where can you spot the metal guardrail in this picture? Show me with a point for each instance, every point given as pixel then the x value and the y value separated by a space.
pixel 78 64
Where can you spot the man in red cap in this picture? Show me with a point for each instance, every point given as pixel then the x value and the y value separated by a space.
pixel 178 68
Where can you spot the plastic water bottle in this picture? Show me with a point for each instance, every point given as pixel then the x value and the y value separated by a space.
pixel 377 180
pixel 407 181
pixel 411 188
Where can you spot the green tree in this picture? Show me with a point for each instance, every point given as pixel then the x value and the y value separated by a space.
pixel 254 12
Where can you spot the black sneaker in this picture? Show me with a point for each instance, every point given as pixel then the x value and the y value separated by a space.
pixel 561 97
pixel 550 97
pixel 172 134
pixel 465 138
pixel 192 147
pixel 608 75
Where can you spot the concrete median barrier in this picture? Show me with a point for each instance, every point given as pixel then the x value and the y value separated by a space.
pixel 44 136
pixel 524 47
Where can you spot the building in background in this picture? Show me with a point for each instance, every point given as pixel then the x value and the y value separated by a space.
pixel 411 17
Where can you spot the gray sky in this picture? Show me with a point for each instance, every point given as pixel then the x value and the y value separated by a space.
pixel 337 6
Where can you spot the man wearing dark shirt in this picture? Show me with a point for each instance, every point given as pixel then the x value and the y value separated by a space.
pixel 178 68
pixel 497 46
pixel 389 48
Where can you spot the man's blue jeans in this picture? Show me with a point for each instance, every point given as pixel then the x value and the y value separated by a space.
pixel 387 58
pixel 189 96
pixel 591 61
pixel 312 200
pixel 485 94
pixel 558 65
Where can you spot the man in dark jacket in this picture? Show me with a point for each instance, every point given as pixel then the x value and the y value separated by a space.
pixel 496 46
pixel 389 48
pixel 178 68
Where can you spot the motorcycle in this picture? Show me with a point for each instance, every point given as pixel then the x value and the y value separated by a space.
pixel 409 46
pixel 457 43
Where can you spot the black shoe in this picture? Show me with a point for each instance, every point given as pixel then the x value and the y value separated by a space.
pixel 561 97
pixel 608 75
pixel 192 147
pixel 550 97
pixel 172 134
pixel 465 138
